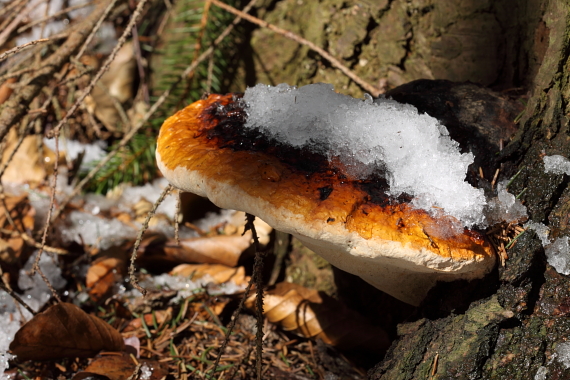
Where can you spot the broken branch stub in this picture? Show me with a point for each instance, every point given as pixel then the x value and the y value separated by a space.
pixel 352 223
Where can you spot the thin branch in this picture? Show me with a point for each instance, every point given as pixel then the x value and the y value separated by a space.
pixel 144 227
pixel 20 48
pixel 323 53
pixel 125 140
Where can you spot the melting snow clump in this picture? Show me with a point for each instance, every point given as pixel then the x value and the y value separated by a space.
pixel 556 164
pixel 541 230
pixel 558 255
pixel 415 149
pixel 505 207
pixel 95 231
pixel 563 352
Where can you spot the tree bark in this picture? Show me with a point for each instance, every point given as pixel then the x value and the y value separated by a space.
pixel 517 317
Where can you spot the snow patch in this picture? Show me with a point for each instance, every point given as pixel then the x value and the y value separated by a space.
pixel 556 164
pixel 505 207
pixel 558 255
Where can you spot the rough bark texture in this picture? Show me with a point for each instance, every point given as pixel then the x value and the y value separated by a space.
pixel 509 324
pixel 514 319
pixel 490 42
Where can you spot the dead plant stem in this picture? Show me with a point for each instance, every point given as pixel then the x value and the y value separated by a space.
pixel 16 297
pixel 20 48
pixel 323 53
pixel 144 227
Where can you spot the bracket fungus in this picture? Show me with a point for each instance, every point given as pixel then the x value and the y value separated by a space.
pixel 352 221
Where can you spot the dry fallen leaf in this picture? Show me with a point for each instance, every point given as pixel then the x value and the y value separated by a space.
pixel 217 272
pixel 62 331
pixel 308 313
pixel 158 316
pixel 121 366
pixel 102 276
pixel 29 164
pixel 22 214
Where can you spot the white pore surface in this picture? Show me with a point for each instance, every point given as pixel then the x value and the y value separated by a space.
pixel 563 351
pixel 415 149
pixel 505 207
pixel 556 164
pixel 558 255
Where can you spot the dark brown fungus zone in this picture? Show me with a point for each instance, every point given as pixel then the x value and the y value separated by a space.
pixel 354 224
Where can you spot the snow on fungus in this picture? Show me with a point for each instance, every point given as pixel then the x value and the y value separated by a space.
pixel 374 188
pixel 414 150
pixel 556 164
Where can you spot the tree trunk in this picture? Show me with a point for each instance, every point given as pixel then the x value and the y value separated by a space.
pixel 510 324
pixel 515 319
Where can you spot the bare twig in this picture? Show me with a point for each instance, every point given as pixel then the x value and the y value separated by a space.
pixel 177 219
pixel 257 274
pixel 16 297
pixel 323 53
pixel 20 48
pixel 125 140
pixel 29 240
pixel 36 266
pixel 144 227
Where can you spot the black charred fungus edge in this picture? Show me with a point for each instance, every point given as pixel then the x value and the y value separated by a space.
pixel 229 121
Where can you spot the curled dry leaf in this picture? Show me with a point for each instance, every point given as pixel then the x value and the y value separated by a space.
pixel 102 276
pixel 308 313
pixel 64 330
pixel 218 273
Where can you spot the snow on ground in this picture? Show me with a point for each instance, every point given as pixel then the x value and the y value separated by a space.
pixel 556 164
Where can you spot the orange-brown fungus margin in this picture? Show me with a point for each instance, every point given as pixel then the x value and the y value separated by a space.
pixel 189 139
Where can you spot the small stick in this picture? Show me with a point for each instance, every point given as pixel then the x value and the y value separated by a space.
pixel 20 48
pixel 257 274
pixel 323 53
pixel 177 219
pixel 481 173
pixel 36 267
pixel 144 227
